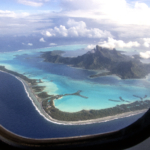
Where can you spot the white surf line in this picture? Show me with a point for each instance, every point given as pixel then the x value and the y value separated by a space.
pixel 50 119
pixel 31 98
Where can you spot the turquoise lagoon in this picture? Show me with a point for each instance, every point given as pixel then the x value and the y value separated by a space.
pixel 62 79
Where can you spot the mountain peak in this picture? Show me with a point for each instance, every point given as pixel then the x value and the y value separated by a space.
pixel 103 58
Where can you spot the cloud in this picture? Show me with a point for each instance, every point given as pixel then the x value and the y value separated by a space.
pixel 116 11
pixel 52 44
pixel 7 13
pixel 127 19
pixel 41 40
pixel 141 6
pixel 124 18
pixel 100 19
pixel 90 4
pixel 30 44
pixel 76 29
pixel 16 25
pixel 72 22
pixel 22 23
pixel 146 42
pixel 12 14
pixel 145 55
pixel 48 34
pixel 30 3
pixel 112 43
pixel 91 46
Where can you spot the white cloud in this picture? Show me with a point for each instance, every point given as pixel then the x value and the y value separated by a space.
pixel 146 42
pixel 80 24
pixel 101 19
pixel 124 18
pixel 115 11
pixel 30 44
pixel 24 14
pixel 77 29
pixel 112 43
pixel 30 3
pixel 12 14
pixel 52 44
pixel 48 34
pixel 90 4
pixel 145 55
pixel 141 6
pixel 22 23
pixel 41 40
pixel 16 25
pixel 91 46
pixel 7 13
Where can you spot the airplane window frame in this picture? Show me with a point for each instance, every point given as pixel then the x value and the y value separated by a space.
pixel 120 139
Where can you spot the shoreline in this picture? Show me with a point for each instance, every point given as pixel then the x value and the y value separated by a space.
pixel 37 104
pixel 84 122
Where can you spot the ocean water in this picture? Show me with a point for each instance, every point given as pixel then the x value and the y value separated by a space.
pixel 62 79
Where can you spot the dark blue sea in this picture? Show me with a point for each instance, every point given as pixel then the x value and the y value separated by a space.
pixel 17 114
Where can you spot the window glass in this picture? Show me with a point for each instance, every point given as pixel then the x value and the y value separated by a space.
pixel 73 68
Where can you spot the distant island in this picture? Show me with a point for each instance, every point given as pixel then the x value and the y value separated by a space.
pixel 113 61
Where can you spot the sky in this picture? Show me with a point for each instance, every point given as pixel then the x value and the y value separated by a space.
pixel 120 24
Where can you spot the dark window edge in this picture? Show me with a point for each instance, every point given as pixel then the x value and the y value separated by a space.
pixel 120 139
